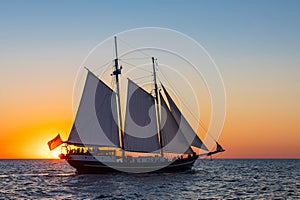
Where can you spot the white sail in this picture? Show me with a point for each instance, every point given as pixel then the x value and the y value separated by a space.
pixel 185 127
pixel 140 132
pixel 96 121
pixel 171 136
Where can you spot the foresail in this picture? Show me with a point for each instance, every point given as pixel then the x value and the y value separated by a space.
pixel 171 136
pixel 140 132
pixel 185 127
pixel 219 148
pixel 96 118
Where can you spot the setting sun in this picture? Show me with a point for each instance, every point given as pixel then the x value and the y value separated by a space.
pixel 55 153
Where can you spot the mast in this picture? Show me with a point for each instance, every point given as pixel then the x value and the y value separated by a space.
pixel 157 107
pixel 116 74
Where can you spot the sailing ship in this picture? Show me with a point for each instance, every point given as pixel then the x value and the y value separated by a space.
pixel 154 128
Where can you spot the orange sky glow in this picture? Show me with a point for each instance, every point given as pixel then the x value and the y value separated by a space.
pixel 252 129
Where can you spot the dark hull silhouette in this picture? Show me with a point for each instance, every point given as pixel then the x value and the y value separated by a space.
pixel 97 167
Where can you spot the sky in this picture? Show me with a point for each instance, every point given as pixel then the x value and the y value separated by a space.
pixel 255 44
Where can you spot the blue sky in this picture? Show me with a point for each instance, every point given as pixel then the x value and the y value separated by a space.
pixel 238 21
pixel 272 25
pixel 226 28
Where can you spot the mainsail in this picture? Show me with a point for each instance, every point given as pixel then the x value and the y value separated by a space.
pixel 185 127
pixel 140 132
pixel 96 118
pixel 171 136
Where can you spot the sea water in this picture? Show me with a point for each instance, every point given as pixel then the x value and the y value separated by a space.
pixel 210 179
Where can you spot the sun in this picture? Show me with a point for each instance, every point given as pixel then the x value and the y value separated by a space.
pixel 55 153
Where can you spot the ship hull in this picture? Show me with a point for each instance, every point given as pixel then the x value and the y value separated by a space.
pixel 87 166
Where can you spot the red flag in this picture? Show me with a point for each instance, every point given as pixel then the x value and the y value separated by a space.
pixel 55 142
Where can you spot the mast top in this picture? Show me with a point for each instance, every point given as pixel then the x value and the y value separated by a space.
pixel 116 47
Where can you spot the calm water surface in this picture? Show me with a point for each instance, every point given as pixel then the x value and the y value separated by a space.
pixel 216 179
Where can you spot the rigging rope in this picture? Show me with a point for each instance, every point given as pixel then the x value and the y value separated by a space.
pixel 102 66
pixel 195 118
pixel 142 58
pixel 142 77
pixel 121 60
pixel 149 56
